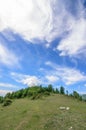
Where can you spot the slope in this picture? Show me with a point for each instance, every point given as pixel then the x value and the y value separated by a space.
pixel 44 114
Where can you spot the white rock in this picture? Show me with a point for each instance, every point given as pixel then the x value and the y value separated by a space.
pixel 62 108
pixel 67 108
pixel 70 128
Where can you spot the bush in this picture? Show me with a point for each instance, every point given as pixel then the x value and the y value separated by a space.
pixel 46 93
pixel 75 94
pixel 36 96
pixel 1 99
pixel 7 102
pixel 80 98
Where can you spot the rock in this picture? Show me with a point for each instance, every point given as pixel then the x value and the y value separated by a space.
pixel 62 108
pixel 70 128
pixel 67 108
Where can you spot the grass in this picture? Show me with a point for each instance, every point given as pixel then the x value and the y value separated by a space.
pixel 44 114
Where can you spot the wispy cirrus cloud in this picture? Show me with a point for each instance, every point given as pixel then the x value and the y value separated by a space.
pixel 8 85
pixel 64 74
pixel 51 78
pixel 74 44
pixel 44 20
pixel 3 92
pixel 7 57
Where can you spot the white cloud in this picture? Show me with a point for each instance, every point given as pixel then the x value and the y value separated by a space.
pixel 65 74
pixel 52 79
pixel 28 18
pixel 40 19
pixel 75 43
pixel 7 85
pixel 47 20
pixel 26 79
pixel 31 81
pixel 7 57
pixel 3 92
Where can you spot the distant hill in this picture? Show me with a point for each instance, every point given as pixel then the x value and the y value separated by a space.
pixel 44 114
pixel 84 97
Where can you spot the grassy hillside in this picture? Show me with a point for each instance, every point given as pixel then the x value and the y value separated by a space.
pixel 44 114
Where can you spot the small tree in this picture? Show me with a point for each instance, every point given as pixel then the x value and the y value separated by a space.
pixel 57 91
pixel 6 102
pixel 50 88
pixel 62 90
pixel 25 92
pixel 80 98
pixel 8 95
pixel 75 94
pixel 67 92
pixel 1 99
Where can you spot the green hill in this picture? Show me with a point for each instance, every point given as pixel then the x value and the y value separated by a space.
pixel 44 114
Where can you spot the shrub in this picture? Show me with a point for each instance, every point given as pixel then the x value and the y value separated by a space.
pixel 1 99
pixel 46 93
pixel 75 94
pixel 7 102
pixel 36 96
pixel 80 98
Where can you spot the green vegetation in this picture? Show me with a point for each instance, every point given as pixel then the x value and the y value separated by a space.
pixel 37 92
pixel 62 90
pixel 44 114
pixel 38 108
pixel 34 92
pixel 1 99
pixel 7 102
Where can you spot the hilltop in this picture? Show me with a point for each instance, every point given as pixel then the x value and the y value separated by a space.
pixel 44 114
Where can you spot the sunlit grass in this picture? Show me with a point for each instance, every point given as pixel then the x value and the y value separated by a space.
pixel 44 114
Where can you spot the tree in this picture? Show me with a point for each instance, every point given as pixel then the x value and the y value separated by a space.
pixel 80 98
pixel 67 92
pixel 19 93
pixel 8 95
pixel 57 91
pixel 7 102
pixel 1 99
pixel 25 92
pixel 62 90
pixel 75 94
pixel 50 88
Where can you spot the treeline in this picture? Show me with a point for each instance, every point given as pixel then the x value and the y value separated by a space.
pixel 31 92
pixel 36 92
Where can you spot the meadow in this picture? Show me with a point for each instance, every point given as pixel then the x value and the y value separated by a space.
pixel 44 114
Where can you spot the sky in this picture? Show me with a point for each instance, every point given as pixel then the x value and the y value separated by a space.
pixel 42 42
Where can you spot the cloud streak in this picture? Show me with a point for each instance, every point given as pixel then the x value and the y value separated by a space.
pixel 67 75
pixel 75 43
pixel 44 20
pixel 47 20
pixel 7 85
pixel 7 57
pixel 3 92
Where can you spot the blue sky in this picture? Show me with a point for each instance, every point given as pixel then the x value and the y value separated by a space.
pixel 42 42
